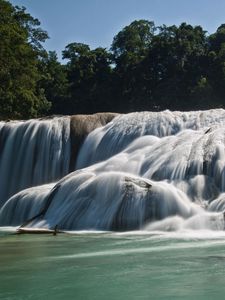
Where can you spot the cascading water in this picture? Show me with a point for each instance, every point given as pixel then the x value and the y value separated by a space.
pixel 32 153
pixel 42 151
pixel 157 171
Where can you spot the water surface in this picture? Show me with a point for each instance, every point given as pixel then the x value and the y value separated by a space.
pixel 138 265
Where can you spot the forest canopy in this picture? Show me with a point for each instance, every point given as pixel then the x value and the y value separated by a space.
pixel 147 67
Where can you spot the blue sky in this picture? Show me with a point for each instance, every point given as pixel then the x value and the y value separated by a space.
pixel 96 22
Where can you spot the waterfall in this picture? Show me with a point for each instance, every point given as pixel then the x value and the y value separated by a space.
pixel 116 136
pixel 147 170
pixel 41 151
pixel 32 153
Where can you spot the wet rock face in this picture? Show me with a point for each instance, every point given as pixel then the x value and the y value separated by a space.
pixel 81 126
pixel 128 215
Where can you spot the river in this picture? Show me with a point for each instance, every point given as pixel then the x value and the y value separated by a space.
pixel 97 265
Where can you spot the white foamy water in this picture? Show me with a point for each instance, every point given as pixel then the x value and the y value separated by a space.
pixel 32 153
pixel 148 171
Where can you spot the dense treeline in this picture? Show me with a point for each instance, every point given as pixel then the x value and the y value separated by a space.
pixel 148 67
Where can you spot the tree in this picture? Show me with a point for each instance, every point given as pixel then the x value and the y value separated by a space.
pixel 89 74
pixel 129 48
pixel 20 51
pixel 130 44
pixel 54 82
pixel 175 64
pixel 216 65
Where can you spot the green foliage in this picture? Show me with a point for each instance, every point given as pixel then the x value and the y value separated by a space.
pixel 54 82
pixel 89 76
pixel 129 49
pixel 20 48
pixel 178 54
pixel 130 44
pixel 146 68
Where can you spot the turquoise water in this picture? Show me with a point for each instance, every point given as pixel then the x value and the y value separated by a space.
pixel 185 265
